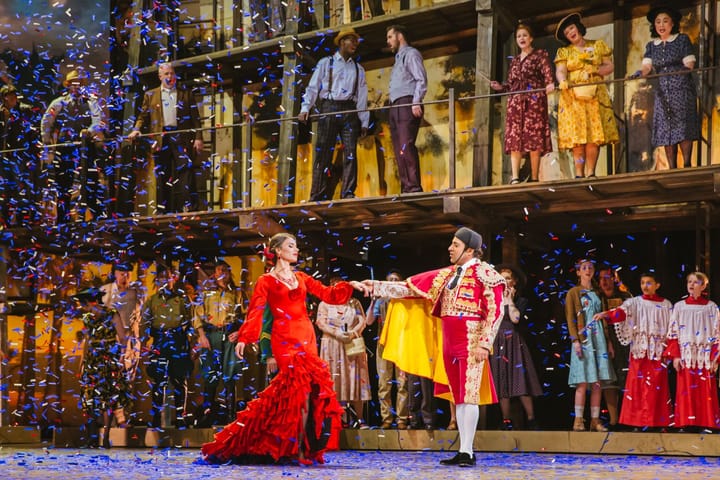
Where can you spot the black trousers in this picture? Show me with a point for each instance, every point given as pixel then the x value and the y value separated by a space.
pixel 347 125
pixel 173 173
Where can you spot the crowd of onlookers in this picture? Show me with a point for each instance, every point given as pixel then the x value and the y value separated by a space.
pixel 622 350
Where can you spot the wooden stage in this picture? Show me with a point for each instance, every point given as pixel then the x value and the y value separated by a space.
pixel 565 442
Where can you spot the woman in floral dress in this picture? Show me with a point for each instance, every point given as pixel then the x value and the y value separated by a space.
pixel 585 114
pixel 104 388
pixel 526 123
pixel 675 121
pixel 340 324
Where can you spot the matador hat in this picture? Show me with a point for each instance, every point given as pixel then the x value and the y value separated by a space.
pixel 345 32
pixel 571 19
pixel 470 238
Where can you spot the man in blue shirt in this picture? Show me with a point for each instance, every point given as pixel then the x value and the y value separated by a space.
pixel 337 84
pixel 408 84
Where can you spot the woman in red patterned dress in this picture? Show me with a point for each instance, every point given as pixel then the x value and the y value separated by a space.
pixel 297 417
pixel 526 123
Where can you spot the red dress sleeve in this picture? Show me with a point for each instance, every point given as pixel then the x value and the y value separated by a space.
pixel 338 294
pixel 251 328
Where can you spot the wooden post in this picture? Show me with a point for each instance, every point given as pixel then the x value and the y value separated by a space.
pixel 486 40
pixel 287 150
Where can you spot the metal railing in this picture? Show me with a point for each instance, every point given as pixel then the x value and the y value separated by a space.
pixel 251 123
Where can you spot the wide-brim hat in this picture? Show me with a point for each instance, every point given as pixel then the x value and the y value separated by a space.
pixel 659 8
pixel 345 32
pixel 74 75
pixel 520 278
pixel 122 267
pixel 571 19
pixel 92 294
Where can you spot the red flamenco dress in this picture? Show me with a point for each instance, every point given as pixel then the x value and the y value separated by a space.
pixel 272 425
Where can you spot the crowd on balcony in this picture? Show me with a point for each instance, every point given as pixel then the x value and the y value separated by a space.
pixel 60 164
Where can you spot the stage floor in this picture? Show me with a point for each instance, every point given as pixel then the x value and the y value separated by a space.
pixel 156 464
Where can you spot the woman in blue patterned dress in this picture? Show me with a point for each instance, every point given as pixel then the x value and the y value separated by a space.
pixel 676 120
pixel 590 364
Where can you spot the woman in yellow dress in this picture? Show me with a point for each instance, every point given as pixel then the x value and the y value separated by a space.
pixel 585 115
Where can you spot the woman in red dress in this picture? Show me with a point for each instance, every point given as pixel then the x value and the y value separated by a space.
pixel 526 123
pixel 297 417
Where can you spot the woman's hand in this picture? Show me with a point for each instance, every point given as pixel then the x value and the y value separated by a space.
pixel 272 366
pixel 240 350
pixel 550 87
pixel 577 346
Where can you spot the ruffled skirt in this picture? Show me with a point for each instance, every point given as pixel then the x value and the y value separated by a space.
pixel 272 425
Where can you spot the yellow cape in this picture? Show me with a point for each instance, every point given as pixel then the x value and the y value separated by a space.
pixel 412 340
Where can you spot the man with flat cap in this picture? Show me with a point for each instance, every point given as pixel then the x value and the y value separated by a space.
pixel 337 84
pixel 467 297
pixel 76 122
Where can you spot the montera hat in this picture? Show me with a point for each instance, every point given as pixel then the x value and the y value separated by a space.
pixel 470 238
pixel 346 32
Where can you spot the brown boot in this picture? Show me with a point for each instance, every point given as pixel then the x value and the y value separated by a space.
pixel 597 426
pixel 579 424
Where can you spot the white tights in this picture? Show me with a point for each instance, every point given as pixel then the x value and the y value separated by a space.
pixel 467 419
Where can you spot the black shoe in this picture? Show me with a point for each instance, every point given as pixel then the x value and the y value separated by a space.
pixel 466 460
pixel 461 458
pixel 506 424
pixel 532 425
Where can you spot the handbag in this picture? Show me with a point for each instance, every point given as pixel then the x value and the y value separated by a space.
pixel 585 92
pixel 355 348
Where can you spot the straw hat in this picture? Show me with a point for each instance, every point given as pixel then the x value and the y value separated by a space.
pixel 73 75
pixel 571 19
pixel 346 32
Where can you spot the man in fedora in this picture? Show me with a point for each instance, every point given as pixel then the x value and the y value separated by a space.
pixel 75 121
pixel 337 84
